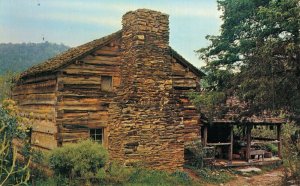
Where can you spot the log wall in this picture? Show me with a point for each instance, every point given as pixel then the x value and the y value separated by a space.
pixel 185 81
pixel 81 103
pixel 36 98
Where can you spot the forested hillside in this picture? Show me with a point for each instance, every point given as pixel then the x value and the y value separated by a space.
pixel 18 57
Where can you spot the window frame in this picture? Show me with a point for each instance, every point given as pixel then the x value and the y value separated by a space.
pixel 111 83
pixel 93 135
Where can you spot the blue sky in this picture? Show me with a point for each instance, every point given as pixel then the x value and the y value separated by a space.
pixel 75 22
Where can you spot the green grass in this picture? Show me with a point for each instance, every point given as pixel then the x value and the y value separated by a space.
pixel 214 176
pixel 118 175
pixel 154 177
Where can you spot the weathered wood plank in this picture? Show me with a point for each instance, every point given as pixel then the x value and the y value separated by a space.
pixel 44 126
pixel 37 79
pixel 36 88
pixel 103 58
pixel 80 80
pixel 43 140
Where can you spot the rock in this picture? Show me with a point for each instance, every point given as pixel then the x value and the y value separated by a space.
pixel 249 169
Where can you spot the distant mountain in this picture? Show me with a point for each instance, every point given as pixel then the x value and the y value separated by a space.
pixel 19 57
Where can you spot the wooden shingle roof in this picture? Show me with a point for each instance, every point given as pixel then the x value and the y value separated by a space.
pixel 236 111
pixel 73 54
pixel 69 56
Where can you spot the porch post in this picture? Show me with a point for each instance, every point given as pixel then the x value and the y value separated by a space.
pixel 231 144
pixel 279 140
pixel 205 136
pixel 248 131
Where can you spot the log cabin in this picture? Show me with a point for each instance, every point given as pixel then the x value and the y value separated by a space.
pixel 127 90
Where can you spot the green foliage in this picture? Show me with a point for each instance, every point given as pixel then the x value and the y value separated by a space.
pixel 155 177
pixel 263 131
pixel 115 173
pixel 208 102
pixel 291 152
pixel 18 57
pixel 196 153
pixel 257 54
pixel 11 172
pixel 81 160
pixel 6 82
pixel 271 148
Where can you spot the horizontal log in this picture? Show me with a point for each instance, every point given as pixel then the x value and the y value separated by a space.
pixel 40 78
pixel 80 80
pixel 36 88
pixel 114 49
pixel 218 144
pixel 102 64
pixel 92 72
pixel 94 68
pixel 70 127
pixel 103 58
pixel 106 53
pixel 82 108
pixel 46 96
pixel 40 147
pixel 41 84
pixel 73 136
pixel 37 102
pixel 44 126
pixel 82 87
pixel 43 140
pixel 86 94
pixel 98 115
pixel 38 113
pixel 86 123
pixel 38 116
pixel 181 73
pixel 36 99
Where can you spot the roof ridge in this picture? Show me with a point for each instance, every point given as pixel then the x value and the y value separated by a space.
pixel 68 56
pixel 75 53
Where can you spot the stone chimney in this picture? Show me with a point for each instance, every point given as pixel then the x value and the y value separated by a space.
pixel 145 123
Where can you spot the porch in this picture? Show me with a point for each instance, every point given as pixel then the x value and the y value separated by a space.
pixel 232 150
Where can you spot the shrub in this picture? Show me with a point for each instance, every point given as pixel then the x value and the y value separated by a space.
pixel 272 148
pixel 291 152
pixel 197 155
pixel 115 173
pixel 80 160
pixel 12 172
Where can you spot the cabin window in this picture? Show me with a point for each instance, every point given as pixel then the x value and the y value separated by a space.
pixel 97 135
pixel 106 83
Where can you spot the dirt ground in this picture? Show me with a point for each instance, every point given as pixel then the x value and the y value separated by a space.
pixel 270 178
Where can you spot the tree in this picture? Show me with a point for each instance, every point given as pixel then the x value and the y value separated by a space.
pixel 11 126
pixel 6 83
pixel 257 54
